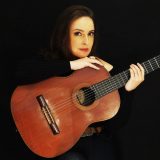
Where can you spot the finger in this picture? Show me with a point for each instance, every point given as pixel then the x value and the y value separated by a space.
pixel 131 73
pixel 133 70
pixel 91 60
pixel 136 70
pixel 93 66
pixel 142 69
pixel 92 57
pixel 140 75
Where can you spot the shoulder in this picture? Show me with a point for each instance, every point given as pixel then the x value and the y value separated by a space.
pixel 106 65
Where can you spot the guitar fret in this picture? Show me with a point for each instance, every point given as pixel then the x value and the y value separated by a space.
pixel 114 80
pixel 154 65
pixel 110 86
pixel 112 83
pixel 99 89
pixel 145 67
pixel 151 65
pixel 126 78
pixel 122 78
pixel 156 62
pixel 148 67
pixel 102 88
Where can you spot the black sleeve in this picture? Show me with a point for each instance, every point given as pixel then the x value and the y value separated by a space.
pixel 121 118
pixel 35 69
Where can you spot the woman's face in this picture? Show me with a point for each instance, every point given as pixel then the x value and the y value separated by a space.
pixel 81 36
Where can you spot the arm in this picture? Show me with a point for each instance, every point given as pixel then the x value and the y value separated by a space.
pixel 36 69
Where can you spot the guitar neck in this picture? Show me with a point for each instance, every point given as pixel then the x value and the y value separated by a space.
pixel 119 80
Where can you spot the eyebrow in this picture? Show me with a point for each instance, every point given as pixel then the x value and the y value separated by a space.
pixel 82 30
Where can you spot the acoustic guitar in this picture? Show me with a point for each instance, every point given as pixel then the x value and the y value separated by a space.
pixel 52 115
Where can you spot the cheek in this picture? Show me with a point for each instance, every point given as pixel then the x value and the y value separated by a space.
pixel 74 47
pixel 91 44
pixel 73 42
pixel 91 40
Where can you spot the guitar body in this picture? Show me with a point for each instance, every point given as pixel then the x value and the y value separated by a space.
pixel 70 116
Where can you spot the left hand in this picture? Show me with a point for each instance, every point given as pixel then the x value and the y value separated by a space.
pixel 136 77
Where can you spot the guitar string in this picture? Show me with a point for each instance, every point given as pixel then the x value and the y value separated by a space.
pixel 61 106
pixel 64 108
pixel 62 111
pixel 103 86
pixel 64 103
pixel 88 96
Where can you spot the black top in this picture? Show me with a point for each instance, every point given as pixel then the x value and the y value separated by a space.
pixel 37 68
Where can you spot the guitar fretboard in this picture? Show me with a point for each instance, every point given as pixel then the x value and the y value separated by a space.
pixel 119 80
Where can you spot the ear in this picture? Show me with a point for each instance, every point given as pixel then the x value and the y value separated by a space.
pixel 106 65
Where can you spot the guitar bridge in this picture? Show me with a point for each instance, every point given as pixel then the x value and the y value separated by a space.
pixel 48 115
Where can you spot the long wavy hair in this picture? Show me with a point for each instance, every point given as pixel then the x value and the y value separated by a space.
pixel 60 41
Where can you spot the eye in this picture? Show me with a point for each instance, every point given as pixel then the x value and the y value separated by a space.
pixel 77 33
pixel 91 34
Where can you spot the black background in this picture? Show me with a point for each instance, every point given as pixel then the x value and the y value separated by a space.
pixel 129 33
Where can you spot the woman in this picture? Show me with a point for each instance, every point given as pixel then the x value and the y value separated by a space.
pixel 72 47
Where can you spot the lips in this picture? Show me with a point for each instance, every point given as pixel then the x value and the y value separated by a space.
pixel 84 49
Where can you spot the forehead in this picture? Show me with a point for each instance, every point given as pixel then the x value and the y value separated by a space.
pixel 82 23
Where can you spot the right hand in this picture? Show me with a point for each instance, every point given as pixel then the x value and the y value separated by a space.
pixel 85 62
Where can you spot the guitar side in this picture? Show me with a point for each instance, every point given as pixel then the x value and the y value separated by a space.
pixel 70 117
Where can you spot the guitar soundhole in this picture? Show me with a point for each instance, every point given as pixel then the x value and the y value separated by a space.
pixel 85 96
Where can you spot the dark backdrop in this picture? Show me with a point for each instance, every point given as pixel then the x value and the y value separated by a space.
pixel 129 33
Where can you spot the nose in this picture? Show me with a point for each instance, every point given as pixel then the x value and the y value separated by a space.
pixel 85 39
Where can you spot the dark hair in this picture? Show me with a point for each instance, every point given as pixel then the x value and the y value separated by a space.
pixel 59 42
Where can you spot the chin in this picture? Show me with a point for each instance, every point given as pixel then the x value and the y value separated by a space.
pixel 80 54
pixel 83 55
